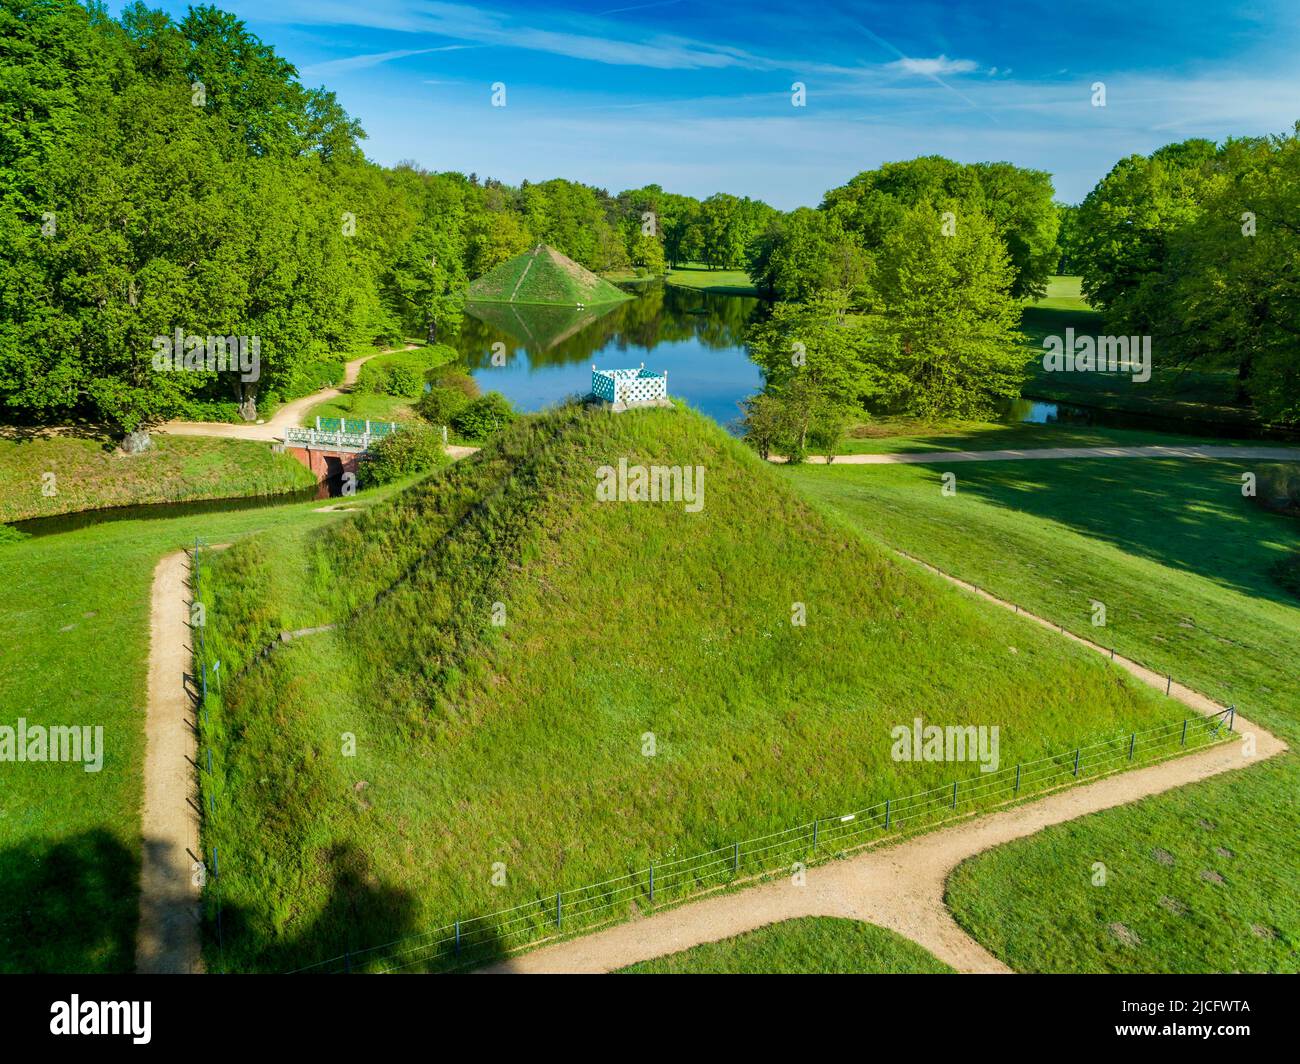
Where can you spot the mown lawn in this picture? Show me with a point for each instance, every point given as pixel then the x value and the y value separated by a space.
pixel 901 436
pixel 813 945
pixel 522 744
pixel 1185 568
pixel 92 473
pixel 720 282
pixel 74 638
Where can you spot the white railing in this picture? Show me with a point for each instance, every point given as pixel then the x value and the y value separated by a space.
pixel 343 441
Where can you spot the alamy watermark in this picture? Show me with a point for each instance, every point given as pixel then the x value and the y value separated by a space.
pixel 57 742
pixel 638 483
pixel 1098 354
pixel 929 742
pixel 210 354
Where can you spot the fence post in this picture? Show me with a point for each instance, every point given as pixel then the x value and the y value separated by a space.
pixel 735 859
pixel 1076 762
pixel 1183 742
pixel 457 946
pixel 652 883
pixel 1232 716
pixel 1017 790
pixel 559 911
pixel 954 794
pixel 1169 682
pixel 886 814
pixel 1132 740
pixel 814 836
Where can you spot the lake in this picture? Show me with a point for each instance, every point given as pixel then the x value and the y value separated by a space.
pixel 546 355
pixel 549 351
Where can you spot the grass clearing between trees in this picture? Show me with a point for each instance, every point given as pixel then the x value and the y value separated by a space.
pixel 1173 392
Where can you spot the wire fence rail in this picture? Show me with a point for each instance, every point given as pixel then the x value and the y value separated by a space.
pixel 478 940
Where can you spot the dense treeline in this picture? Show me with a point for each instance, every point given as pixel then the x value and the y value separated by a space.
pixel 901 293
pixel 161 175
pixel 164 178
pixel 1198 246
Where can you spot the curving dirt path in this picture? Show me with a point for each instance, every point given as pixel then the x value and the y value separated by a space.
pixel 288 416
pixel 168 936
pixel 1270 454
pixel 902 887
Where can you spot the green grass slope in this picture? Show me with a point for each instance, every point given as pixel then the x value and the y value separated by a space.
pixel 543 276
pixel 91 474
pixel 420 763
pixel 812 945
pixel 1187 570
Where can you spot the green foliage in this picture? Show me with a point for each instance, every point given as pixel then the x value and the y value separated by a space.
pixel 945 317
pixel 412 449
pixel 1124 227
pixel 818 369
pixel 160 173
pixel 1018 201
pixel 480 418
pixel 804 254
pixel 450 376
pixel 440 404
pixel 1195 245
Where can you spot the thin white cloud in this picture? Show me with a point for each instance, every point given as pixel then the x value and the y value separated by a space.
pixel 935 67
pixel 484 26
pixel 364 62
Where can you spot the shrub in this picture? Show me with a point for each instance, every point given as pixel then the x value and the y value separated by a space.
pixel 373 379
pixel 1278 488
pixel 402 381
pixel 481 417
pixel 439 405
pixel 416 449
pixel 455 378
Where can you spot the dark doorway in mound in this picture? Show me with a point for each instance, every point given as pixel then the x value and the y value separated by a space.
pixel 334 476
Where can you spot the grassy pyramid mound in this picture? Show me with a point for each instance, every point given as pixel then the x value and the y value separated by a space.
pixel 545 277
pixel 552 690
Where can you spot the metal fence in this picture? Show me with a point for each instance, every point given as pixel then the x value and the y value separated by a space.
pixel 478 940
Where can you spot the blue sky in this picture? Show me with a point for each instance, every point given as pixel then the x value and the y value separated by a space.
pixel 696 95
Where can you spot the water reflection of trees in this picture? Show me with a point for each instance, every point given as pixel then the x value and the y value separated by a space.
pixel 554 336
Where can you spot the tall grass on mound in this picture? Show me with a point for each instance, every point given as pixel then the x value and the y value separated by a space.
pixel 811 945
pixel 531 690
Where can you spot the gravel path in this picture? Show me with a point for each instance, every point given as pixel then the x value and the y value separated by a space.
pixel 168 937
pixel 288 416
